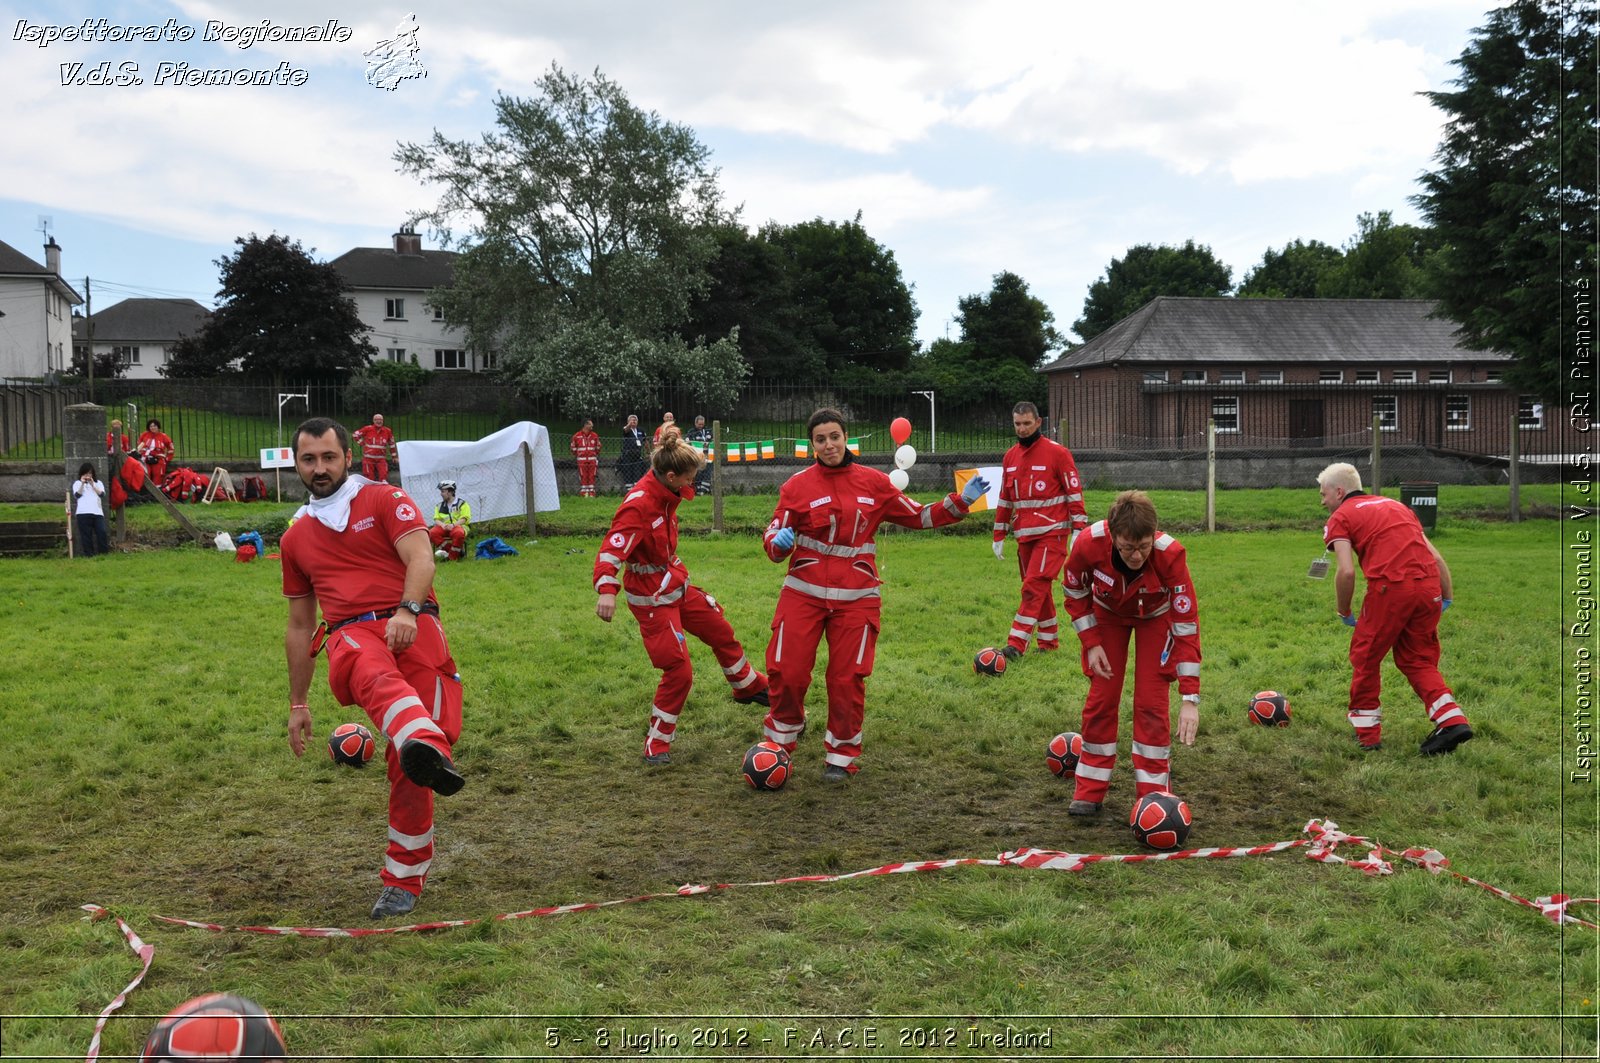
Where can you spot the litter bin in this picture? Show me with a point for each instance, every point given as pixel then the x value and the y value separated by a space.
pixel 1422 498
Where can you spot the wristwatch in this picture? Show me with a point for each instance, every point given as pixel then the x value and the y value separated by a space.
pixel 414 608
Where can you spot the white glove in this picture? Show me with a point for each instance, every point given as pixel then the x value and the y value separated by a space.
pixel 999 549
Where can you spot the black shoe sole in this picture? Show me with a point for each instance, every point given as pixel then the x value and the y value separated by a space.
pixel 1448 743
pixel 763 699
pixel 426 766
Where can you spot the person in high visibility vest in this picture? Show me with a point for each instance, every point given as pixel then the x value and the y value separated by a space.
pixel 452 518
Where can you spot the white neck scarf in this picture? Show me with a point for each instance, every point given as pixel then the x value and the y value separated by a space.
pixel 334 511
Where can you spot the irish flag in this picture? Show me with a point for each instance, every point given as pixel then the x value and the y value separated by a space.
pixel 802 449
pixel 854 445
pixel 769 449
pixel 733 451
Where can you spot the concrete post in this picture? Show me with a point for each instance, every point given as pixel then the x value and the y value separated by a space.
pixel 83 438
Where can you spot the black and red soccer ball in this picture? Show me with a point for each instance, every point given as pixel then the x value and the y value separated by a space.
pixel 1161 820
pixel 351 744
pixel 216 1027
pixel 1062 754
pixel 989 661
pixel 766 766
pixel 1269 709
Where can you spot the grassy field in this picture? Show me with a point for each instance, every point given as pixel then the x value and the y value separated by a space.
pixel 146 770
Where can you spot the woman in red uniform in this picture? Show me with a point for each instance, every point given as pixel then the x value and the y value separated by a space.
pixel 824 524
pixel 644 536
pixel 155 450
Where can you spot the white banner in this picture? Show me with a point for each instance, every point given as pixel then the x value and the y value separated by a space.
pixel 489 474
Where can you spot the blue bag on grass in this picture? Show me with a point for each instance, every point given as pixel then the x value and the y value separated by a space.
pixel 495 547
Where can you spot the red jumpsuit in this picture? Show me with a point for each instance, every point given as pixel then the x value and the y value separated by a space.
pixel 377 446
pixel 1108 604
pixel 586 448
pixel 644 536
pixel 111 443
pixel 1400 610
pixel 415 695
pixel 1041 504
pixel 832 587
pixel 155 450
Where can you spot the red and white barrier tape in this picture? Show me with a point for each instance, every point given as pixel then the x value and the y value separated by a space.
pixel 147 953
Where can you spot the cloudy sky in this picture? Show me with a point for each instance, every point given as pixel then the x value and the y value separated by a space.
pixel 974 137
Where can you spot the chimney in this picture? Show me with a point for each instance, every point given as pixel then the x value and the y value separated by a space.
pixel 407 242
pixel 52 257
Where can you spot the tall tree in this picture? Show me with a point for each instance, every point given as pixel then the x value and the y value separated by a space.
pixel 1513 197
pixel 751 290
pixel 1382 261
pixel 1009 324
pixel 851 297
pixel 1146 272
pixel 591 232
pixel 1292 273
pixel 280 315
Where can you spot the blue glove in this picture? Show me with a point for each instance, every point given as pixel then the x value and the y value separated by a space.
pixel 1444 603
pixel 976 488
pixel 784 540
pixel 1349 621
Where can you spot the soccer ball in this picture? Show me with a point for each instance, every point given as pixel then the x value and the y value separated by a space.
pixel 1063 752
pixel 766 766
pixel 989 661
pixel 216 1027
pixel 1269 709
pixel 350 743
pixel 1160 820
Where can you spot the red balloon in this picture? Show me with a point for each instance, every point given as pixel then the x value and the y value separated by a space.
pixel 900 430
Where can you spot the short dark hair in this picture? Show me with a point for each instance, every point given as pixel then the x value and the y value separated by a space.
pixel 152 421
pixel 824 416
pixel 1025 407
pixel 1132 515
pixel 316 428
pixel 87 466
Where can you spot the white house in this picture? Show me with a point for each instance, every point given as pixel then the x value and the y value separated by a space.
pixel 35 314
pixel 390 286
pixel 140 332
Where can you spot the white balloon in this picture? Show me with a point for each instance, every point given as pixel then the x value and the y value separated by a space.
pixel 905 457
pixel 900 478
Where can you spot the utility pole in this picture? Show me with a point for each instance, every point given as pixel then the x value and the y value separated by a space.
pixel 88 331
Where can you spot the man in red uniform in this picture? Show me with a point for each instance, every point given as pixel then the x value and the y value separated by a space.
pixel 644 537
pixel 824 525
pixel 377 447
pixel 1408 588
pixel 1041 504
pixel 1127 580
pixel 585 447
pixel 362 550
pixel 115 436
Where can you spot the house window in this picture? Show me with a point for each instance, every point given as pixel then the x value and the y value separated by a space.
pixel 394 309
pixel 1155 376
pixel 1233 376
pixel 1366 376
pixel 1440 376
pixel 1386 408
pixel 1225 412
pixel 1194 376
pixel 1530 413
pixel 1405 376
pixel 438 314
pixel 449 359
pixel 1457 413
pixel 1331 376
pixel 491 359
pixel 126 355
pixel 1269 376
pixel 395 354
pixel 1492 375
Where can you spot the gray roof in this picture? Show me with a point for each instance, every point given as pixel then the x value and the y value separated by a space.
pixel 383 267
pixel 1171 329
pixel 14 263
pixel 160 320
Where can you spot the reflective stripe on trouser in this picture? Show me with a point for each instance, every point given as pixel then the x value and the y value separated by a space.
pixel 417 695
pixel 798 625
pixel 1039 561
pixel 586 470
pixel 375 469
pixel 452 538
pixel 662 629
pixel 1152 720
pixel 1402 616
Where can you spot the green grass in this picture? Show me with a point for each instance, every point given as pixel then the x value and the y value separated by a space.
pixel 145 769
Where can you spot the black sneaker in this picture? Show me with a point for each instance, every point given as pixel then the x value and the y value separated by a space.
pixel 426 766
pixel 1084 808
pixel 1445 739
pixel 834 773
pixel 658 758
pixel 760 697
pixel 393 901
pixel 1011 653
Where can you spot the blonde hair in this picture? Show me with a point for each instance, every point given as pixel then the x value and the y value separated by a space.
pixel 674 455
pixel 1340 474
